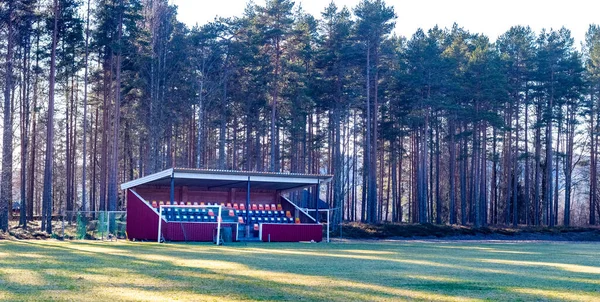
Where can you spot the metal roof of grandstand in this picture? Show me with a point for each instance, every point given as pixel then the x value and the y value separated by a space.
pixel 229 179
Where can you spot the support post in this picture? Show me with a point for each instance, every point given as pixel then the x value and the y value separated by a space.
pixel 328 212
pixel 317 201
pixel 219 226
pixel 160 209
pixel 172 196
pixel 248 209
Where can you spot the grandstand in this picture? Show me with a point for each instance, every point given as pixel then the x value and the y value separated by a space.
pixel 182 204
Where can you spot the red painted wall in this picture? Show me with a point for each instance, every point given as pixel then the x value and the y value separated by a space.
pixel 292 232
pixel 193 231
pixel 142 221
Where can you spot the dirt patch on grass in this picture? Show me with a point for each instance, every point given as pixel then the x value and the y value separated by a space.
pixel 454 232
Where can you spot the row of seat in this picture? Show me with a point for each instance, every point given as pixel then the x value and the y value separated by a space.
pixel 254 207
pixel 240 219
pixel 231 213
pixel 287 214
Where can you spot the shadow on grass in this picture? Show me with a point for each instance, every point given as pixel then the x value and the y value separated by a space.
pixel 341 272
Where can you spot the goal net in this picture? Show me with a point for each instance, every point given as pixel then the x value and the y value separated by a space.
pixel 181 216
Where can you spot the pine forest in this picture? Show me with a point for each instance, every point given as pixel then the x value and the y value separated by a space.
pixel 446 126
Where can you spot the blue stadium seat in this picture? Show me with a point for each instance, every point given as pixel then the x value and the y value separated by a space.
pixel 260 219
pixel 272 219
pixel 253 219
pixel 269 213
pixel 263 213
pixel 205 218
pixel 212 219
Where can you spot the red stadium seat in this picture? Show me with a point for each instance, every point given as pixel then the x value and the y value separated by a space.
pixel 256 226
pixel 297 219
pixel 235 206
pixel 267 207
pixel 273 208
pixel 154 204
pixel 162 203
pixel 222 204
pixel 241 220
pixel 189 203
pixel 229 205
pixel 254 207
pixel 202 203
pixel 231 213
pixel 242 206
pixel 195 203
pixel 288 214
pixel 261 207
pixel 210 212
pixel 279 208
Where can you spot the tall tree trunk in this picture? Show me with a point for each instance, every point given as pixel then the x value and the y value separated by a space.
pixel 527 176
pixel 7 136
pixel 49 160
pixel 84 201
pixel 549 155
pixel 515 192
pixel 32 174
pixel 494 185
pixel 463 182
pixel 452 171
pixel 373 200
pixel 593 159
pixel 438 198
pixel 223 127
pixel 538 152
pixel 556 170
pixel 570 133
pixel 114 168
pixel 368 154
pixel 25 113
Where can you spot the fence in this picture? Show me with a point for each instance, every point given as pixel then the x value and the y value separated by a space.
pixel 94 225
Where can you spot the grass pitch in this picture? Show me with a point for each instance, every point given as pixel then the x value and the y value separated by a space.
pixel 373 271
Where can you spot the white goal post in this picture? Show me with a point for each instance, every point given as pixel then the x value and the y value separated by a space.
pixel 168 213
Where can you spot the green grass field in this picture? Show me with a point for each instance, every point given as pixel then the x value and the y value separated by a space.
pixel 373 271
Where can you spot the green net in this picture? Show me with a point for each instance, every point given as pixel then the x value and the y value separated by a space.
pixel 82 222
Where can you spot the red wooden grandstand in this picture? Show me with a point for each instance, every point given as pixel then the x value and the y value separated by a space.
pixel 181 204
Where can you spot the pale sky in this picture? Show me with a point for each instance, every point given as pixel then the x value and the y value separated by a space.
pixel 491 18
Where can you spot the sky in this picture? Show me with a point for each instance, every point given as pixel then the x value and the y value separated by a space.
pixel 489 17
